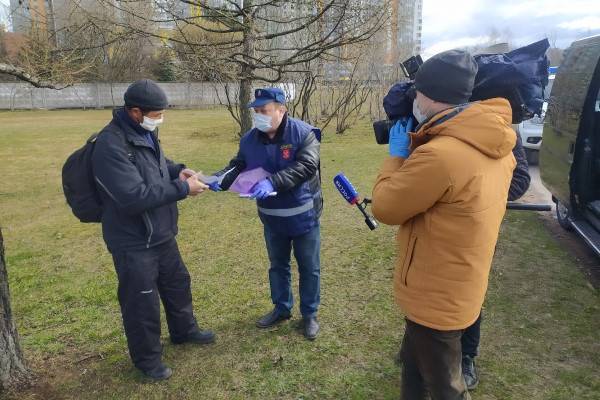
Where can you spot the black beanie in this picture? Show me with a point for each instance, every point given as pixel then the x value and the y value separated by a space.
pixel 447 77
pixel 147 95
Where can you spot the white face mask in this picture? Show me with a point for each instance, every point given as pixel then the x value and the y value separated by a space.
pixel 151 124
pixel 417 113
pixel 262 122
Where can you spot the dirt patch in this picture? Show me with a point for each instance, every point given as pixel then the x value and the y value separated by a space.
pixel 36 390
pixel 49 373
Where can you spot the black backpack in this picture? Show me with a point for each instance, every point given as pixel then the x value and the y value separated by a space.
pixel 79 185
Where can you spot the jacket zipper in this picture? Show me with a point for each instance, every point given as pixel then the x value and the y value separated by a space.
pixel 147 219
pixel 410 252
pixel 151 228
pixel 157 154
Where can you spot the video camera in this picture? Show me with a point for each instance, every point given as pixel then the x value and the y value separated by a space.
pixel 519 76
pixel 411 66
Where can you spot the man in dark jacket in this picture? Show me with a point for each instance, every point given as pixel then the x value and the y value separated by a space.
pixel 289 202
pixel 471 336
pixel 140 188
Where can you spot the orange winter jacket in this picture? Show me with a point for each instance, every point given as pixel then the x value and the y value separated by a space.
pixel 449 197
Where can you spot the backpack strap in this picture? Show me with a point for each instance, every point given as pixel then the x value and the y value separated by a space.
pixel 130 148
pixel 93 138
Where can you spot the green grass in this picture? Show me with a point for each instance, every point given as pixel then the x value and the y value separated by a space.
pixel 541 333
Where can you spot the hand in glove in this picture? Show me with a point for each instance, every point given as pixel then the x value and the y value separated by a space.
pixel 262 190
pixel 215 187
pixel 400 138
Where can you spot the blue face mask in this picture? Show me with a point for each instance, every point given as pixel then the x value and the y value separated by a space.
pixel 262 122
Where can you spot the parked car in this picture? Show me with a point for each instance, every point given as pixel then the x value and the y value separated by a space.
pixel 570 153
pixel 531 130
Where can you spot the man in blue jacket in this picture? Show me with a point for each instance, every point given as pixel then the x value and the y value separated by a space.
pixel 289 202
pixel 139 188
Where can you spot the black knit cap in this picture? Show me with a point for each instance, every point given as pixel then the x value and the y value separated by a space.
pixel 447 77
pixel 147 95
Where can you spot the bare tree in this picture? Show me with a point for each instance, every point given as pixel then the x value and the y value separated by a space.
pixel 23 75
pixel 13 370
pixel 254 40
pixel 39 62
pixel 124 60
pixel 355 91
pixel 346 100
pixel 555 54
pixel 35 63
pixel 54 56
pixel 3 51
pixel 306 85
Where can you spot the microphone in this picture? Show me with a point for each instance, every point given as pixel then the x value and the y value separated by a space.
pixel 350 194
pixel 345 188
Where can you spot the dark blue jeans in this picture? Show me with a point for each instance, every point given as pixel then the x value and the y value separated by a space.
pixel 470 339
pixel 307 253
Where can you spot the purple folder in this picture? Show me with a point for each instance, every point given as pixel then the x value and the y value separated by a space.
pixel 247 179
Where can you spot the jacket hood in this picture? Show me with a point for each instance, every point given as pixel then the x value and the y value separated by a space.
pixel 485 125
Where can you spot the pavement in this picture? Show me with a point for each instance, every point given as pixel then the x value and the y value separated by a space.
pixel 537 192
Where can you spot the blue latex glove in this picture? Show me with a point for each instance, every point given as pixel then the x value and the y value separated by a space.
pixel 215 187
pixel 262 190
pixel 400 139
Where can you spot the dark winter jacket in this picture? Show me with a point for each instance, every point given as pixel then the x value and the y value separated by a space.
pixel 139 187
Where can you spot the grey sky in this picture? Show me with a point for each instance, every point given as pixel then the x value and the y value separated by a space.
pixel 457 23
pixel 449 24
pixel 4 11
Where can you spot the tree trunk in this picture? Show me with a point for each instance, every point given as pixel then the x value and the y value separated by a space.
pixel 245 98
pixel 12 366
pixel 249 51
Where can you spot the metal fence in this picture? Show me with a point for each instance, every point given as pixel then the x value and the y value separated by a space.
pixel 22 96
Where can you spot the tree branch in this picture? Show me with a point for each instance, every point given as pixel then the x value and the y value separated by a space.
pixel 301 27
pixel 25 76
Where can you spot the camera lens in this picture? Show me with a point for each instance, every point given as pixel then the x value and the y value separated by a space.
pixel 382 131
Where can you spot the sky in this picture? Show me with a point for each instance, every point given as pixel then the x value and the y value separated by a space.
pixel 461 23
pixel 3 11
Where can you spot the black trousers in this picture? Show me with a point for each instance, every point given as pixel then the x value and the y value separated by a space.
pixel 431 364
pixel 470 339
pixel 144 276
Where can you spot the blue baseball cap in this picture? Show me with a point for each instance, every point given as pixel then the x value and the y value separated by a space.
pixel 266 96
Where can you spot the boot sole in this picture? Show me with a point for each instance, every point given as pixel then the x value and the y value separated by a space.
pixel 149 378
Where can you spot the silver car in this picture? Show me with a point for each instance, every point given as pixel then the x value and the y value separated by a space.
pixel 531 129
